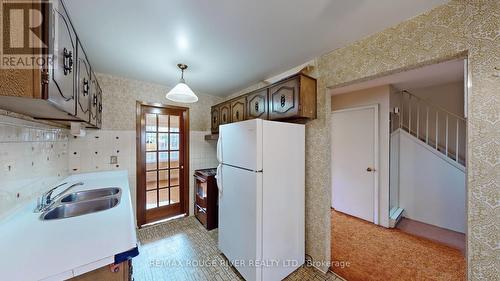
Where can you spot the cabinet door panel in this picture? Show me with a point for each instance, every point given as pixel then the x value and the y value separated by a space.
pixel 215 117
pixel 238 109
pixel 62 83
pixel 99 107
pixel 96 99
pixel 225 113
pixel 83 86
pixel 284 100
pixel 257 105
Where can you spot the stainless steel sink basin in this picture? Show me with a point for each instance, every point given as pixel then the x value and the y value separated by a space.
pixel 90 194
pixel 80 208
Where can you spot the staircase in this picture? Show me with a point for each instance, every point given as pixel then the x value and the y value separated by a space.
pixel 442 130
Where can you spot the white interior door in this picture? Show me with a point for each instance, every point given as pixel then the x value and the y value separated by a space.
pixel 354 162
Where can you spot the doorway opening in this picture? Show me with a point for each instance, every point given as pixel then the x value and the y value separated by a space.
pixel 162 162
pixel 399 193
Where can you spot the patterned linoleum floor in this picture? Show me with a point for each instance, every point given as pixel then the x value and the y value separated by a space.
pixel 182 250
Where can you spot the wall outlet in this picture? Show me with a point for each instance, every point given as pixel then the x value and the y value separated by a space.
pixel 113 160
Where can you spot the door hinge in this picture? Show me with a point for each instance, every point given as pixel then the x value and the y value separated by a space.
pixel 45 78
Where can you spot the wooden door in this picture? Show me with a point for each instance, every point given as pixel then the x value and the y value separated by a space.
pixel 215 117
pixel 257 105
pixel 83 87
pixel 225 113
pixel 284 101
pixel 62 88
pixel 238 108
pixel 162 162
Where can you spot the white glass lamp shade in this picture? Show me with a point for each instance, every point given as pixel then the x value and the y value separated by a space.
pixel 182 93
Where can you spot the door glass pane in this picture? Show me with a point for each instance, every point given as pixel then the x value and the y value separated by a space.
pixel 163 197
pixel 174 141
pixel 150 161
pixel 174 123
pixel 162 123
pixel 163 161
pixel 163 176
pixel 174 159
pixel 151 180
pixel 150 141
pixel 151 199
pixel 174 177
pixel 163 141
pixel 174 195
pixel 151 122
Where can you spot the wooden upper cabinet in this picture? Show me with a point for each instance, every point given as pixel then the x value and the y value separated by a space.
pixel 95 102
pixel 215 117
pixel 225 113
pixel 61 90
pixel 290 99
pixel 83 87
pixel 293 98
pixel 238 108
pixel 257 104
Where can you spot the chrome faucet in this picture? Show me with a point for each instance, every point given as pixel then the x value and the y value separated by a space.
pixel 46 199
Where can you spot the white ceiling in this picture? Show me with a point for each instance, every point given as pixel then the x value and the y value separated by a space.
pixel 426 76
pixel 228 44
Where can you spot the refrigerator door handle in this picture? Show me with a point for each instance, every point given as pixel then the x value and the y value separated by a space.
pixel 218 178
pixel 219 149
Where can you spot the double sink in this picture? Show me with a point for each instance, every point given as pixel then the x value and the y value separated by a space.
pixel 83 202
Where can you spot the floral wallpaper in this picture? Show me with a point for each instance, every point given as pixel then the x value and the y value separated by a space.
pixel 120 95
pixel 457 29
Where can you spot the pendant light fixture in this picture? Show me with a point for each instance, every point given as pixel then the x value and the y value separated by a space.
pixel 181 92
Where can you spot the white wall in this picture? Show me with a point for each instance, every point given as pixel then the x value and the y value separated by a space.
pixel 380 96
pixel 431 186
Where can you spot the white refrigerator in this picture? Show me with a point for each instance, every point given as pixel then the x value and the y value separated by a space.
pixel 261 183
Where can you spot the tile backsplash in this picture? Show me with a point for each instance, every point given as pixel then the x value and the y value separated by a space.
pixel 33 157
pixel 93 152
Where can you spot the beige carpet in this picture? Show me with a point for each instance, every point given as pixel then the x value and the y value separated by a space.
pixel 376 253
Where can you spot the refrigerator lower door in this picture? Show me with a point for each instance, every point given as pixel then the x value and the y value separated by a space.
pixel 240 220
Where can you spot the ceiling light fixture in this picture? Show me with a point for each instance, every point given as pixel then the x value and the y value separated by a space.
pixel 181 92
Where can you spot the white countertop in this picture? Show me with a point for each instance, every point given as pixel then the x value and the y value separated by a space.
pixel 32 249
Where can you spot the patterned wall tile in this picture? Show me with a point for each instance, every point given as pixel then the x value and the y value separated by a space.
pixel 93 153
pixel 33 157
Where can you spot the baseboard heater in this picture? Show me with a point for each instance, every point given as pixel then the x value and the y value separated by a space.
pixel 396 214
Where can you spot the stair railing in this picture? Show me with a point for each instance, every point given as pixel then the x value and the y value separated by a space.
pixel 410 107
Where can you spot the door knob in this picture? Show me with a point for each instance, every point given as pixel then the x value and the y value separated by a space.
pixel 369 169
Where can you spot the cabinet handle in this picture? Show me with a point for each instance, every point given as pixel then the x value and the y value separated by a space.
pixel 237 115
pixel 67 61
pixel 283 100
pixel 100 107
pixel 95 100
pixel 85 87
pixel 257 106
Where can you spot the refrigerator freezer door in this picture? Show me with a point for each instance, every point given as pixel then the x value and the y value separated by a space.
pixel 240 215
pixel 241 144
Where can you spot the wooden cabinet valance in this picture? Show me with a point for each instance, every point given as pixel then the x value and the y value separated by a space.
pixel 291 99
